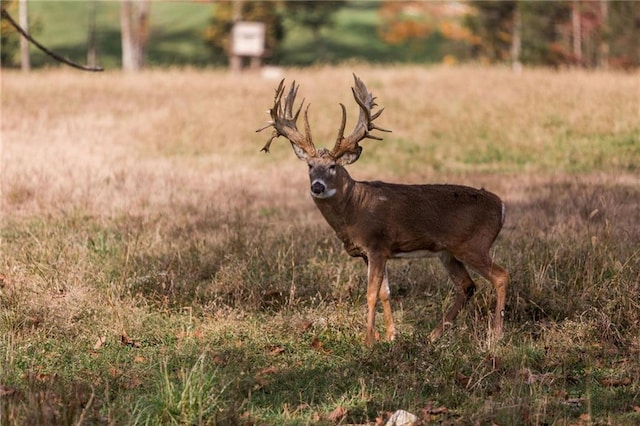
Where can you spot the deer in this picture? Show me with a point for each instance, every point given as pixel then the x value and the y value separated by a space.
pixel 379 221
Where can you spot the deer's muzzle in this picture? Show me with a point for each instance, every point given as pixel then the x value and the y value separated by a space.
pixel 319 189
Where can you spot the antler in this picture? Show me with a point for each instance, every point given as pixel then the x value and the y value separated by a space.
pixel 284 121
pixel 365 124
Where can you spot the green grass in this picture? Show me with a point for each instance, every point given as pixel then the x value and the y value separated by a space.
pixel 158 269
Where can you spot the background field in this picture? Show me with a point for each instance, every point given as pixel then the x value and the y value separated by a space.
pixel 156 267
pixel 177 36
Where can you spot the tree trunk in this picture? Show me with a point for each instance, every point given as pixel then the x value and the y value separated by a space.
pixel 577 31
pixel 92 52
pixel 23 18
pixel 235 61
pixel 134 23
pixel 603 48
pixel 516 41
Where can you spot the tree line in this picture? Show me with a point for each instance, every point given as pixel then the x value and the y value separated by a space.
pixel 577 33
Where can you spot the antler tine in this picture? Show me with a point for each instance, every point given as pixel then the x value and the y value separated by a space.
pixel 284 121
pixel 366 102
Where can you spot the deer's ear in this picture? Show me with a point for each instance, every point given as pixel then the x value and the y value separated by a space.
pixel 301 153
pixel 349 157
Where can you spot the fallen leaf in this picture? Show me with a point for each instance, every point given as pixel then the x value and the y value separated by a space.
pixel 269 370
pixel 440 410
pixel 127 341
pixel 338 414
pixel 463 380
pixel 530 378
pixel 303 326
pixel 260 383
pixel 100 342
pixel 260 377
pixel 3 280
pixel 561 394
pixel 134 382
pixel 276 350
pixel 573 402
pixel 42 377
pixel 636 408
pixel 317 345
pixel 139 359
pixel 429 408
pixel 615 382
pixel 6 391
pixel 301 407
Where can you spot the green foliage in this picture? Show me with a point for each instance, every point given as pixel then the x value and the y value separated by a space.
pixel 623 34
pixel 493 23
pixel 608 34
pixel 312 14
pixel 9 37
pixel 539 32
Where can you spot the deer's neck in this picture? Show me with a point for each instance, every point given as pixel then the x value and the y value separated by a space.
pixel 340 211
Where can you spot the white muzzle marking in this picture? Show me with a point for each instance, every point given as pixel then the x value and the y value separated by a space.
pixel 327 193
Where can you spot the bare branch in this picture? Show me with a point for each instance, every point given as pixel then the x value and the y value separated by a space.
pixel 55 56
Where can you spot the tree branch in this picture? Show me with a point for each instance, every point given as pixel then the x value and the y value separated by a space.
pixel 55 56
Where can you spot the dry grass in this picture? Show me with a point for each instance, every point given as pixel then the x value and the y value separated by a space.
pixel 138 208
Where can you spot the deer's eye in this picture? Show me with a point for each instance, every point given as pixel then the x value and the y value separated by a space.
pixel 332 168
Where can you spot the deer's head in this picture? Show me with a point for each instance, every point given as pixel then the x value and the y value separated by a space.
pixel 326 171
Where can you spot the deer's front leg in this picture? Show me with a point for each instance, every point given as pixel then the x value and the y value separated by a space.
pixel 375 276
pixel 385 298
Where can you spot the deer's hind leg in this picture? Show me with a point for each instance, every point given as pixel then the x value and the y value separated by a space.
pixel 499 277
pixel 465 288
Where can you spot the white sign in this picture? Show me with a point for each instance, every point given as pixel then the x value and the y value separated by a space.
pixel 248 38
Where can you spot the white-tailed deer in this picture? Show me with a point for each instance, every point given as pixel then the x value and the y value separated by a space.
pixel 379 221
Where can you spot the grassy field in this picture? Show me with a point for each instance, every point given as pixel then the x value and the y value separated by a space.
pixel 158 269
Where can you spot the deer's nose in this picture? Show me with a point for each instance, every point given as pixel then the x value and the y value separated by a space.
pixel 317 187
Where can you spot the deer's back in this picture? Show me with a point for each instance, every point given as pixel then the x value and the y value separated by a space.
pixel 426 217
